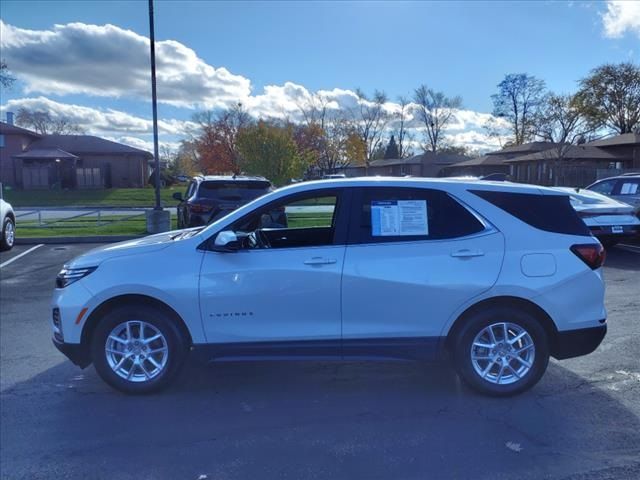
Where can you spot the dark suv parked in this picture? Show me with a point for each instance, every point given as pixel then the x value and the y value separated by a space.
pixel 210 197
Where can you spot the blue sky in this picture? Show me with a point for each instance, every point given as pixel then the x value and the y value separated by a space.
pixel 461 48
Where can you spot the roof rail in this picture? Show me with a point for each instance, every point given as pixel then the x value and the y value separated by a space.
pixel 629 174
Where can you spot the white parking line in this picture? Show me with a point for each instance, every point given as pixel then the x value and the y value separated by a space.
pixel 11 260
pixel 630 248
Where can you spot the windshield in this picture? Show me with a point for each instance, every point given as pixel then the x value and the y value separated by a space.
pixel 233 191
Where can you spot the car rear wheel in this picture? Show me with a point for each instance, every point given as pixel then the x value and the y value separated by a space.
pixel 501 351
pixel 137 349
pixel 8 234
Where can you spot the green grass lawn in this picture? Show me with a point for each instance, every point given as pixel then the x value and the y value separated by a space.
pixel 84 227
pixel 306 220
pixel 112 197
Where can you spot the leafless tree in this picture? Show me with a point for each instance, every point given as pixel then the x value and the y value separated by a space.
pixel 519 101
pixel 314 110
pixel 6 79
pixel 45 123
pixel 369 120
pixel 563 123
pixel 435 110
pixel 404 137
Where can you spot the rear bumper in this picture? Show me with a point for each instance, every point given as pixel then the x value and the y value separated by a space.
pixel 75 352
pixel 575 343
pixel 624 232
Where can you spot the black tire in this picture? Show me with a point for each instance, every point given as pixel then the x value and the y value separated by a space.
pixel 6 243
pixel 476 323
pixel 176 346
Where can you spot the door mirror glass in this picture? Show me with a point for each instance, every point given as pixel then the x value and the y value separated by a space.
pixel 226 241
pixel 177 196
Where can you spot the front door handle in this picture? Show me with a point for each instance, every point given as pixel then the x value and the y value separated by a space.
pixel 466 253
pixel 320 261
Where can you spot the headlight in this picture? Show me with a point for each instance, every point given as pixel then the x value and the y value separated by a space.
pixel 69 275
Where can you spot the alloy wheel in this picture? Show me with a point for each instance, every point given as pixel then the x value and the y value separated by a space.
pixel 136 351
pixel 9 234
pixel 502 353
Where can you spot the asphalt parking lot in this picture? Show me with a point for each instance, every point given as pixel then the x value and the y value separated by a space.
pixel 309 419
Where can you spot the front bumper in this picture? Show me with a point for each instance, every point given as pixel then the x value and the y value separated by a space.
pixel 575 343
pixel 76 352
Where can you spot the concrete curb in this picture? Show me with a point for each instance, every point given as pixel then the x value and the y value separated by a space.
pixel 92 239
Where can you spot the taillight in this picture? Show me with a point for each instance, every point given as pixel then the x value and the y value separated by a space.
pixel 591 254
pixel 198 208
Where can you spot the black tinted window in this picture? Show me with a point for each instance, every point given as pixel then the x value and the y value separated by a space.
pixel 552 213
pixel 409 214
pixel 233 191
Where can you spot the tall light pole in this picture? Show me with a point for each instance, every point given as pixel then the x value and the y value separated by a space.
pixel 154 104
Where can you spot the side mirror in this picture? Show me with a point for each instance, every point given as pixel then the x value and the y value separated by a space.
pixel 226 241
pixel 177 196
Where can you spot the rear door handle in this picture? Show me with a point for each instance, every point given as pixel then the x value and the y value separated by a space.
pixel 320 261
pixel 466 253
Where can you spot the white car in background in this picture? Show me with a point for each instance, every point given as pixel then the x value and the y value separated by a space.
pixel 610 220
pixel 495 276
pixel 8 218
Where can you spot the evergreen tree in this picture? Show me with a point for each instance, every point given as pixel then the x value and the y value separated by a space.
pixel 392 149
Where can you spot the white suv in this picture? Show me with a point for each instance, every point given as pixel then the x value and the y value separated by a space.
pixel 495 276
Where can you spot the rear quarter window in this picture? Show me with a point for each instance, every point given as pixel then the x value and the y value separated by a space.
pixel 551 213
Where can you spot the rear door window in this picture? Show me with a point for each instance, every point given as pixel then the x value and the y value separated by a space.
pixel 388 214
pixel 629 187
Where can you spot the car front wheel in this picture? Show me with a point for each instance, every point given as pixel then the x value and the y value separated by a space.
pixel 137 349
pixel 501 351
pixel 8 234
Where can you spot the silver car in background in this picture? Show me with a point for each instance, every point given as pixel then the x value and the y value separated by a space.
pixel 609 220
pixel 624 188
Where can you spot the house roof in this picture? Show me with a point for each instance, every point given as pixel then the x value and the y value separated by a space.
pixel 85 144
pixel 573 152
pixel 525 148
pixel 484 160
pixel 624 139
pixel 387 162
pixel 426 158
pixel 8 129
pixel 45 154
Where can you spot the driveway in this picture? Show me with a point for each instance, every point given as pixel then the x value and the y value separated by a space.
pixel 319 420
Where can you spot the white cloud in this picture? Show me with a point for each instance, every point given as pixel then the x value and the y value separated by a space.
pixel 106 60
pixel 147 145
pixel 98 121
pixel 109 61
pixel 621 16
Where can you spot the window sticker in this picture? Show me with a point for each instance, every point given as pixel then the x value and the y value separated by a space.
pixel 629 189
pixel 398 218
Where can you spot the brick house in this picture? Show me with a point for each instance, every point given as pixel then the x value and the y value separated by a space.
pixel 427 164
pixel 32 161
pixel 546 163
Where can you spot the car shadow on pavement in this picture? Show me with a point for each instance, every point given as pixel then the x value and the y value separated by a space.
pixel 315 420
pixel 622 259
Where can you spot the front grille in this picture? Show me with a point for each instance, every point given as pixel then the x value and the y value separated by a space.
pixel 57 325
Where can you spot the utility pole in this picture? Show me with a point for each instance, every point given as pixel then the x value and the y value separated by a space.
pixel 154 104
pixel 158 220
